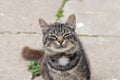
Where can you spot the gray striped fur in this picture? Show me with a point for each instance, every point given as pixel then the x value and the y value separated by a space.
pixel 60 40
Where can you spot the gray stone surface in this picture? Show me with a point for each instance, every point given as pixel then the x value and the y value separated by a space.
pixel 98 20
pixel 23 15
pixel 104 56
pixel 103 53
pixel 100 17
pixel 12 66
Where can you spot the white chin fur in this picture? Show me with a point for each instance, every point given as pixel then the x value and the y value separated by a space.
pixel 63 61
pixel 61 50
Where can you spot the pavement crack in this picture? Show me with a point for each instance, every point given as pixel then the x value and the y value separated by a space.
pixel 81 35
pixel 19 33
pixel 91 35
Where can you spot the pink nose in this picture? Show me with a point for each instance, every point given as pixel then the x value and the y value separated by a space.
pixel 60 41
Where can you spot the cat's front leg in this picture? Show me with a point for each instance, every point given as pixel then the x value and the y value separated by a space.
pixel 45 72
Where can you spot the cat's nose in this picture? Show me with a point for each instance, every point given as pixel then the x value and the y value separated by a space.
pixel 60 41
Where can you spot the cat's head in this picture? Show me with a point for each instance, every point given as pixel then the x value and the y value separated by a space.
pixel 59 37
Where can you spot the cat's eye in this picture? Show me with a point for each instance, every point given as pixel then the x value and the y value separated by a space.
pixel 53 36
pixel 69 37
pixel 51 39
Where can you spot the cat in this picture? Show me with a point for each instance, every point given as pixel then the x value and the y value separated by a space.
pixel 63 57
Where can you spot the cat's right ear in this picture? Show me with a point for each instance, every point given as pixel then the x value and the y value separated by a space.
pixel 71 21
pixel 43 25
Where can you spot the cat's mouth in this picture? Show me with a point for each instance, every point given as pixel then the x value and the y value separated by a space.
pixel 61 49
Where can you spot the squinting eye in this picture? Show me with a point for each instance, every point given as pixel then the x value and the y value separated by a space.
pixel 69 37
pixel 51 39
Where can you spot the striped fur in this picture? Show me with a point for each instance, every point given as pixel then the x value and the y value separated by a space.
pixel 64 57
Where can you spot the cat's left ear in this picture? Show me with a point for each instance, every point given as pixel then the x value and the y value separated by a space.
pixel 71 21
pixel 43 25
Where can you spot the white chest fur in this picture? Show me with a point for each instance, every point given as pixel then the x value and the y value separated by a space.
pixel 63 61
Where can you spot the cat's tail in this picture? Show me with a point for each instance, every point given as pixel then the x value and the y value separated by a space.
pixel 32 54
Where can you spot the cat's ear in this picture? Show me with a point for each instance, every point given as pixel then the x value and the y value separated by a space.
pixel 43 25
pixel 71 21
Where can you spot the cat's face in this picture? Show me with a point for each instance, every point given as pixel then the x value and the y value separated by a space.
pixel 59 37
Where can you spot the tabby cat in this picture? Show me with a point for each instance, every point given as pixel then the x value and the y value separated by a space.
pixel 63 57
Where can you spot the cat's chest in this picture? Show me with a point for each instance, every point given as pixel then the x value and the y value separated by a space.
pixel 65 67
pixel 63 61
pixel 72 74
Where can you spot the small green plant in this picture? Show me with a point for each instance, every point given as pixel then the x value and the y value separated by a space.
pixel 34 68
pixel 60 11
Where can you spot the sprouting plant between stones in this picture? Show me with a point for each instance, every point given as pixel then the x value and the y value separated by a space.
pixel 60 11
pixel 34 68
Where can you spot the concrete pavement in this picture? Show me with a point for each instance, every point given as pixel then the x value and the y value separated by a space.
pixel 99 31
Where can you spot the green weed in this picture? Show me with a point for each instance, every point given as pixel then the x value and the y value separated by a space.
pixel 34 68
pixel 60 11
